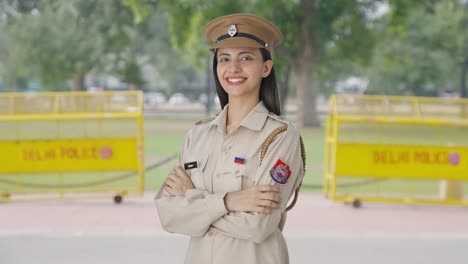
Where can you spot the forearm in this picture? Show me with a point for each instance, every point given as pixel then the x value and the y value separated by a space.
pixel 254 227
pixel 191 214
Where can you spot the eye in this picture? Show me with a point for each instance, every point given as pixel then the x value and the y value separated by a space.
pixel 246 58
pixel 223 59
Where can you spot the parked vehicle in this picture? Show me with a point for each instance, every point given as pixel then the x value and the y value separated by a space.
pixel 178 98
pixel 154 98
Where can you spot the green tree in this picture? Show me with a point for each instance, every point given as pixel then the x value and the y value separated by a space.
pixel 10 74
pixel 421 54
pixel 61 40
pixel 173 70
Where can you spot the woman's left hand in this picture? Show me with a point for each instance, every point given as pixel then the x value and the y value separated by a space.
pixel 178 182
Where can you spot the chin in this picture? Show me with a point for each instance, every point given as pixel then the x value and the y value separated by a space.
pixel 235 92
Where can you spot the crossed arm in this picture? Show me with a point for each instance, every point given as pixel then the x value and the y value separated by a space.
pixel 261 198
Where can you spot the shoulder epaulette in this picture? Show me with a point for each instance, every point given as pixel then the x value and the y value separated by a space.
pixel 205 120
pixel 279 118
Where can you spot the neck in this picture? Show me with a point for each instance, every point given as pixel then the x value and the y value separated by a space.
pixel 238 110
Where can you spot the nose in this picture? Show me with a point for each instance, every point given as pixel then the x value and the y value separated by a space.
pixel 234 67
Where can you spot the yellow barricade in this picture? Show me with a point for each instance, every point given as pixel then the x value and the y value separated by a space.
pixel 71 145
pixel 396 149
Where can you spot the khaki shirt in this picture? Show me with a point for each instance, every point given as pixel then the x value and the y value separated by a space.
pixel 219 236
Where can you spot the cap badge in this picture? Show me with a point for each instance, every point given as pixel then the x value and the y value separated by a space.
pixel 232 30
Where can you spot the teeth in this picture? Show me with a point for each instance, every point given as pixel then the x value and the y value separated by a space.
pixel 236 79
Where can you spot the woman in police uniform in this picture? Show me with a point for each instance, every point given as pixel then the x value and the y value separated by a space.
pixel 224 194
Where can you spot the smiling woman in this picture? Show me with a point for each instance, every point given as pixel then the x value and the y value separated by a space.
pixel 230 190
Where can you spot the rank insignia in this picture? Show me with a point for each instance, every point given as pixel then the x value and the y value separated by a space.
pixel 190 165
pixel 239 160
pixel 280 172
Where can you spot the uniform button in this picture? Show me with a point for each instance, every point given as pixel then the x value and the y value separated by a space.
pixel 210 233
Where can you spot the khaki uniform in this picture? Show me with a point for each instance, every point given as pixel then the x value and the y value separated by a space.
pixel 219 236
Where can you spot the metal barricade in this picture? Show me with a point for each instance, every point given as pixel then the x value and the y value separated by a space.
pixel 396 149
pixel 71 145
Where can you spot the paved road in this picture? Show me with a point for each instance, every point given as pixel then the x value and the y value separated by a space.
pixel 317 231
pixel 120 248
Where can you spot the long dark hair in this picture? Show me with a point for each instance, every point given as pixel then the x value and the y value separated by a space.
pixel 268 89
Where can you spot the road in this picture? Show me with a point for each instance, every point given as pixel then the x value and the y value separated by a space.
pixel 317 231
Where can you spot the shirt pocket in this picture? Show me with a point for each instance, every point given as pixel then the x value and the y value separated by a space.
pixel 196 174
pixel 247 173
pixel 231 183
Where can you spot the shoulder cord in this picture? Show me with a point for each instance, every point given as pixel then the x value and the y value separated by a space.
pixel 263 152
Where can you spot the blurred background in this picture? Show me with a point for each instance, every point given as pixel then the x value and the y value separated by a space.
pixel 385 47
pixel 372 47
pixel 344 47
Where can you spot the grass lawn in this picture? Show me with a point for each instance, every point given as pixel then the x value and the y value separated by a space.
pixel 163 138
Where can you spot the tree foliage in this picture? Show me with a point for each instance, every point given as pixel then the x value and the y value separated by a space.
pixel 61 40
pixel 416 47
pixel 421 55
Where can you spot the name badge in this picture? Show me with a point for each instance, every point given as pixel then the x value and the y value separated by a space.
pixel 190 165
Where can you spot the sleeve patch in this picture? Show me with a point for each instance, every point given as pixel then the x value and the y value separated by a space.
pixel 280 172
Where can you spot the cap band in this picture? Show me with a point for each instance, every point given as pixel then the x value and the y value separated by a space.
pixel 243 35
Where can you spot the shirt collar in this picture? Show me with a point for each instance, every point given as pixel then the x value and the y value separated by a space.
pixel 220 120
pixel 254 120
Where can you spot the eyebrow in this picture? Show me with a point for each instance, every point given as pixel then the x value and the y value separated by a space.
pixel 240 53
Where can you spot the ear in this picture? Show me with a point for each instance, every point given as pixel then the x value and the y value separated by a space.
pixel 267 66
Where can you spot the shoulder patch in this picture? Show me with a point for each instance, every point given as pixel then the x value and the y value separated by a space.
pixel 280 173
pixel 205 120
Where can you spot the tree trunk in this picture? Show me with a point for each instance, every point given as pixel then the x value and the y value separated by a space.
pixel 78 83
pixel 283 86
pixel 14 85
pixel 463 79
pixel 132 87
pixel 307 114
pixel 464 68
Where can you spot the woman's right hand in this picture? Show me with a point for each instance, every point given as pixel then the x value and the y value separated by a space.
pixel 261 198
pixel 178 182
